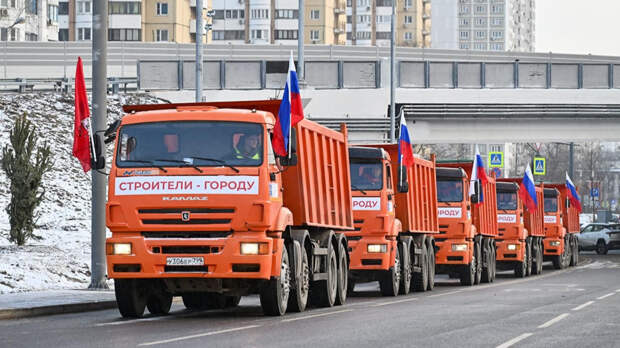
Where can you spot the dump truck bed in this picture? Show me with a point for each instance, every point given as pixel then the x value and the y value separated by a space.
pixel 570 215
pixel 534 222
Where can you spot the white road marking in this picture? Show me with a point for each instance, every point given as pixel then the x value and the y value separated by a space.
pixel 515 340
pixel 618 290
pixel 446 293
pixel 361 303
pixel 554 320
pixel 583 305
pixel 315 315
pixel 123 322
pixel 198 335
pixel 393 302
pixel 605 296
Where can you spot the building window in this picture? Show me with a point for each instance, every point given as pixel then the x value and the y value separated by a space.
pixel 497 21
pixel 497 47
pixel 287 14
pixel 408 3
pixel 52 14
pixel 384 35
pixel 464 9
pixel 285 34
pixel 229 35
pixel 464 35
pixel 408 19
pixel 63 34
pixel 259 34
pixel 464 46
pixel 480 46
pixel 408 36
pixel 497 34
pixel 464 22
pixel 388 3
pixel 481 34
pixel 160 35
pixel 363 3
pixel 384 18
pixel 122 7
pixel 480 22
pixel 162 10
pixel 83 7
pixel 31 37
pixel 363 35
pixel 497 8
pixel 363 19
pixel 9 34
pixel 124 35
pixel 83 34
pixel 315 14
pixel 314 35
pixel 63 8
pixel 31 7
pixel 8 3
pixel 260 14
pixel 481 9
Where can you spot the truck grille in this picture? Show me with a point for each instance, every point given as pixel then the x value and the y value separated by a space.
pixel 197 216
pixel 185 234
pixel 190 249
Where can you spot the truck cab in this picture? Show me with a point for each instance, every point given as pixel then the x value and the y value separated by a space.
pixel 511 243
pixel 561 227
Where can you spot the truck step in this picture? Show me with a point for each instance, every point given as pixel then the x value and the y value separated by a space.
pixel 319 276
pixel 417 269
pixel 319 251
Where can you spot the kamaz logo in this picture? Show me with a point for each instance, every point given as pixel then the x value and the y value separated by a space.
pixel 185 215
pixel 181 198
pixel 137 172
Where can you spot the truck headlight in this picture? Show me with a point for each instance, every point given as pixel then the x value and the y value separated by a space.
pixel 459 247
pixel 376 248
pixel 254 248
pixel 554 243
pixel 118 249
pixel 512 247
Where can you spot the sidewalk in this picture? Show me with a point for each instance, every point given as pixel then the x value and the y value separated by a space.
pixel 30 304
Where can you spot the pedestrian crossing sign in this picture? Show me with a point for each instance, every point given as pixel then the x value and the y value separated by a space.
pixel 496 159
pixel 540 166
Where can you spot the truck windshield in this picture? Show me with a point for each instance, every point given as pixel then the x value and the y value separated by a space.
pixel 507 200
pixel 366 175
pixel 196 143
pixel 449 191
pixel 551 205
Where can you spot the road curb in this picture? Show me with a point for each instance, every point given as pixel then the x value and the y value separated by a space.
pixel 16 313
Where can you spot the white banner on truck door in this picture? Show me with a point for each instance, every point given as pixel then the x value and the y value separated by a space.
pixel 550 219
pixel 366 203
pixel 506 218
pixel 162 185
pixel 445 212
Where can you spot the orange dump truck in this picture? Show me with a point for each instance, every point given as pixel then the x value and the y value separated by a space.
pixel 519 245
pixel 395 219
pixel 467 226
pixel 198 208
pixel 561 227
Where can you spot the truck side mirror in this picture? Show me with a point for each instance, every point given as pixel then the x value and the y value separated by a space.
pixel 291 159
pixel 110 133
pixel 475 198
pixel 403 184
pixel 98 160
pixel 567 203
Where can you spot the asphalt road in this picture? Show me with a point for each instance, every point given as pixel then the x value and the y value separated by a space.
pixel 576 307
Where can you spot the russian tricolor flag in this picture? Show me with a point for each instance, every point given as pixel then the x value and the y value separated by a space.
pixel 478 173
pixel 573 196
pixel 291 111
pixel 405 152
pixel 527 190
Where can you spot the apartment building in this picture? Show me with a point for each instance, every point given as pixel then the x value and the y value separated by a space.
pixel 493 25
pixel 28 20
pixel 325 22
pixel 369 23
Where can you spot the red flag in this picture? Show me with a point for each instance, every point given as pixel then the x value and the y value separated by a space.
pixel 81 144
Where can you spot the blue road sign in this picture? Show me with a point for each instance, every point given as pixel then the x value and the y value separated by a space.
pixel 594 192
pixel 496 159
pixel 540 167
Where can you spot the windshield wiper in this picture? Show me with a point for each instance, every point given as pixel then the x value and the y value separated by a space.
pixel 187 164
pixel 149 162
pixel 358 189
pixel 216 161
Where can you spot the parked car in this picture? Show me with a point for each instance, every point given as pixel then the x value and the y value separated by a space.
pixel 599 237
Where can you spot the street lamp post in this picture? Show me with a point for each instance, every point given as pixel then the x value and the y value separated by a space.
pixel 392 86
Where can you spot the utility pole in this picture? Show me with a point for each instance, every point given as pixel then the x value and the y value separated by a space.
pixel 571 159
pixel 392 88
pixel 300 43
pixel 99 106
pixel 199 29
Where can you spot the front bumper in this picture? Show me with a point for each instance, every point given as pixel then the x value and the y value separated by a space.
pixel 553 249
pixel 361 259
pixel 446 256
pixel 223 260
pixel 504 254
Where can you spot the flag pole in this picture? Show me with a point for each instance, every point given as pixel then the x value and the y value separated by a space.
pixel 290 104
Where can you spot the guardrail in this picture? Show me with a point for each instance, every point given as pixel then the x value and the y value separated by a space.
pixel 66 85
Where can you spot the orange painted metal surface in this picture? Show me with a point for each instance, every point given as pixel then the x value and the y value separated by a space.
pixel 533 221
pixel 318 189
pixel 558 224
pixel 417 208
pixel 570 215
pixel 511 231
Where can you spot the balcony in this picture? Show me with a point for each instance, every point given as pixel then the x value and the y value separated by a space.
pixel 192 3
pixel 339 10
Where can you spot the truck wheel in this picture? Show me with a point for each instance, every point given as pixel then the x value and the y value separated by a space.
pixel 405 276
pixel 232 301
pixel 431 267
pixel 486 271
pixel 131 297
pixel 323 292
pixel 575 255
pixel 343 276
pixel 601 247
pixel 298 300
pixel 528 258
pixel 159 303
pixel 350 287
pixel 478 259
pixel 420 279
pixel 537 259
pixel 493 263
pixel 194 301
pixel 521 269
pixel 541 256
pixel 390 280
pixel 274 295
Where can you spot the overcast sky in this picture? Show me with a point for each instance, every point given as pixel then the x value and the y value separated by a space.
pixel 578 26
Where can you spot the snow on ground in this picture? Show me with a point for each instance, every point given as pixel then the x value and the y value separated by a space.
pixel 61 259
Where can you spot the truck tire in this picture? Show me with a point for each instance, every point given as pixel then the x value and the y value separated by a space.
pixel 194 301
pixel 159 303
pixel 131 297
pixel 274 295
pixel 478 259
pixel 431 267
pixel 298 299
pixel 343 275
pixel 537 259
pixel 493 262
pixel 405 276
pixel 601 247
pixel 323 292
pixel 528 257
pixel 521 269
pixel 232 301
pixel 575 252
pixel 420 279
pixel 468 273
pixel 486 271
pixel 557 262
pixel 389 283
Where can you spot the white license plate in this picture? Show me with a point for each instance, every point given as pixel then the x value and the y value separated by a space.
pixel 185 261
